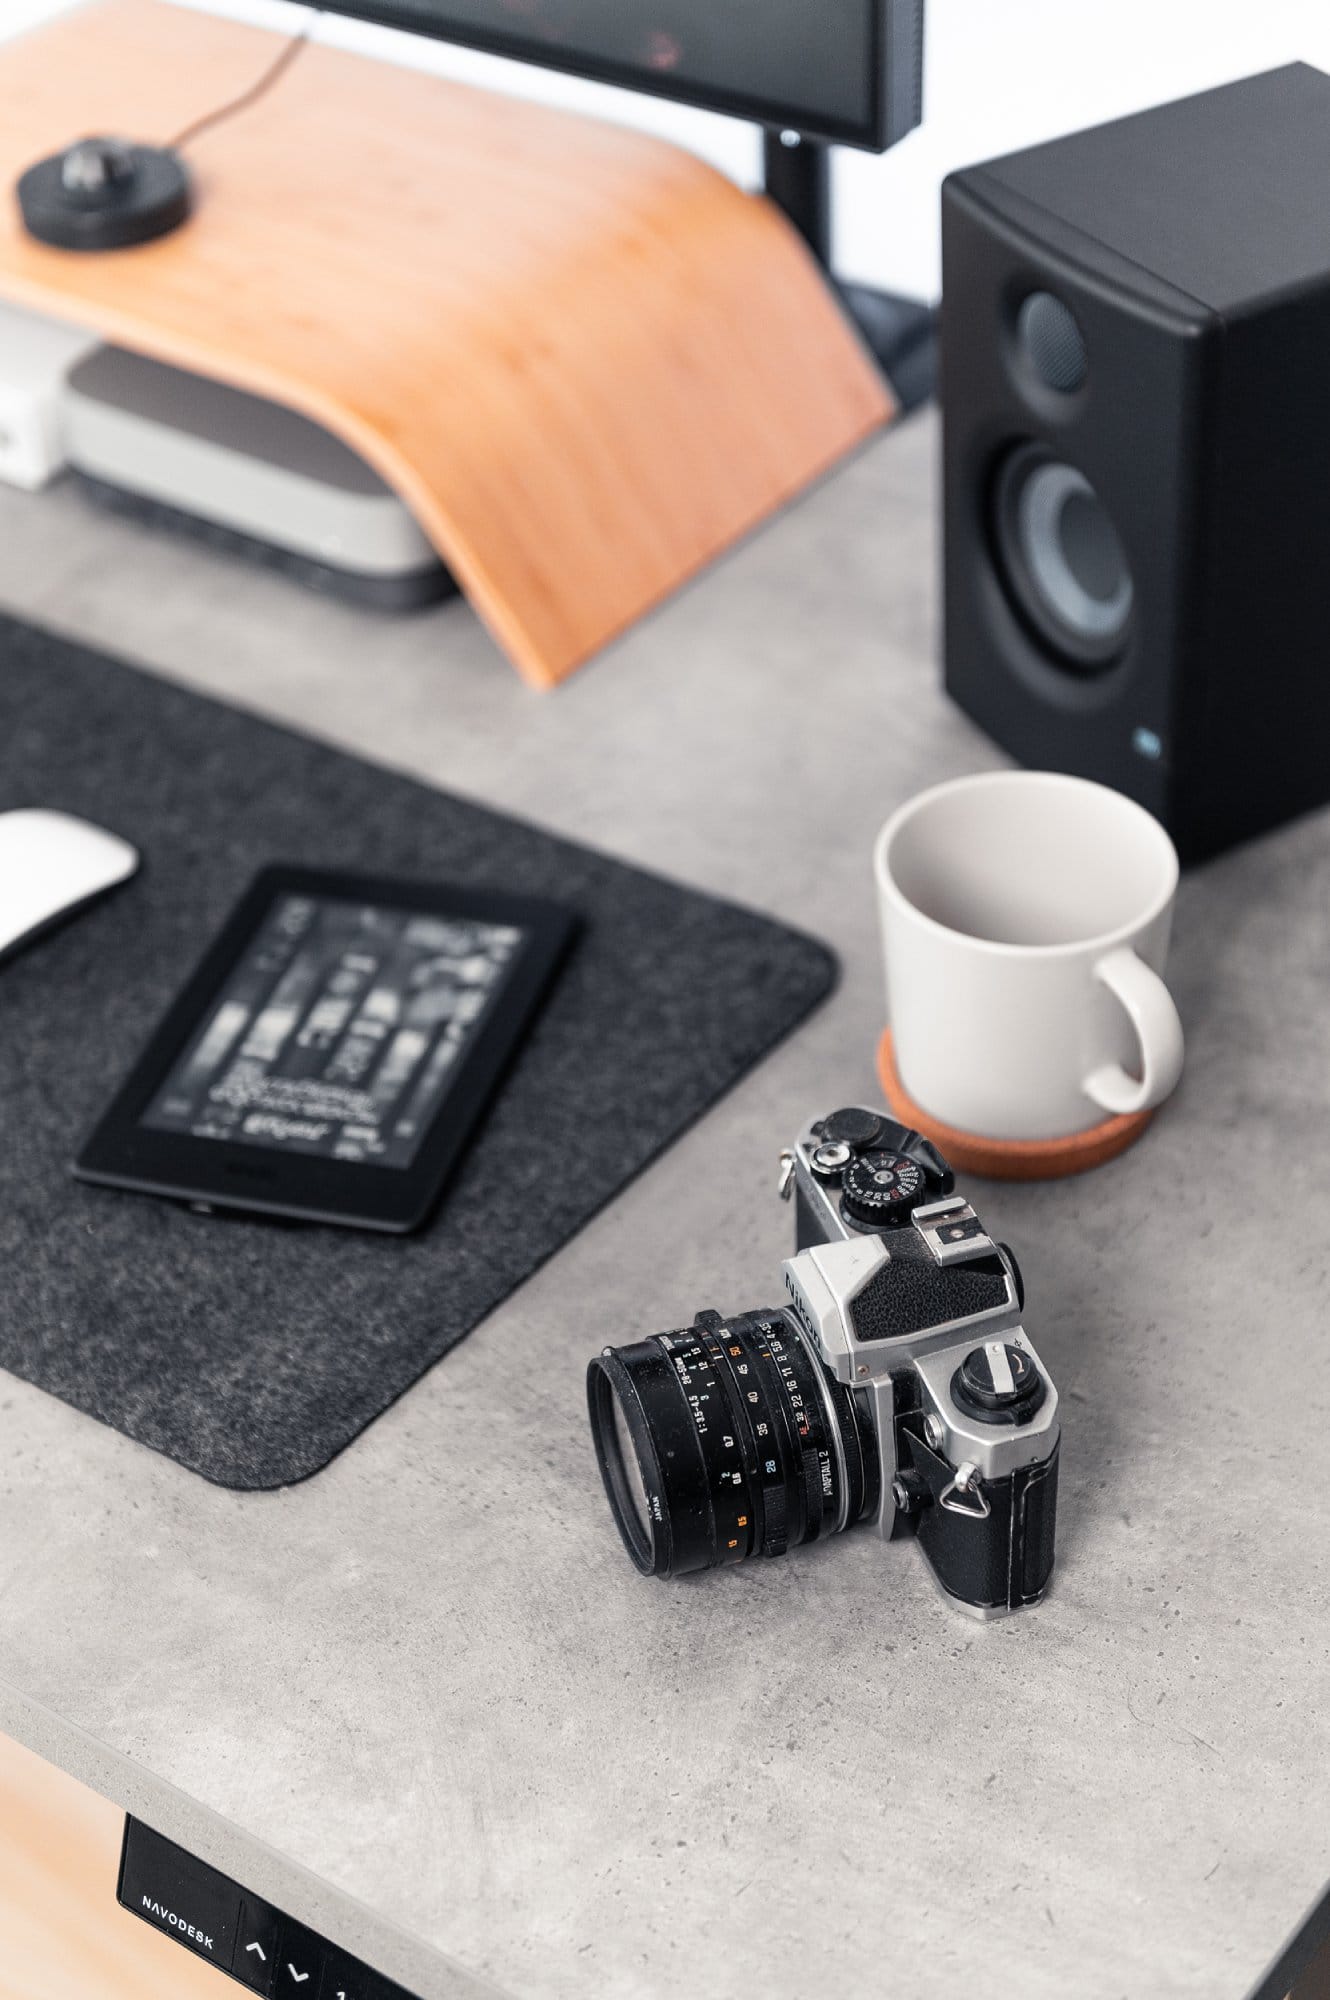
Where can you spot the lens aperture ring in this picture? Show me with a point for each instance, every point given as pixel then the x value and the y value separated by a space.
pixel 762 1434
pixel 697 1367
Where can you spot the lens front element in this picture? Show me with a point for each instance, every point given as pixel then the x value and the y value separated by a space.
pixel 635 1492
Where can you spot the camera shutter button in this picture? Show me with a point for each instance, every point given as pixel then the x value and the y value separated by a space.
pixel 829 1161
pixel 998 1383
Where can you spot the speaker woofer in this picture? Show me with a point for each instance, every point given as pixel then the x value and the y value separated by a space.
pixel 1060 558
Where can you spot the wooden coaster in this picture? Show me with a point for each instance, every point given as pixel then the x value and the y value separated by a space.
pixel 1008 1159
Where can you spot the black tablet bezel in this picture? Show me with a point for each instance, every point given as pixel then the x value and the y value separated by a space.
pixel 217 1173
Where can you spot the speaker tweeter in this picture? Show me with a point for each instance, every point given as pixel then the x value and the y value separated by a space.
pixel 1051 343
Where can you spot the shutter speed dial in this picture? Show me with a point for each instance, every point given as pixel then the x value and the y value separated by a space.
pixel 880 1188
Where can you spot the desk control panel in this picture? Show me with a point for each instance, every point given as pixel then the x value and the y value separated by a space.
pixel 267 1952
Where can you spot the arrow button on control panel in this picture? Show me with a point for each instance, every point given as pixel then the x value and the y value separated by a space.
pixel 256 1946
pixel 299 1963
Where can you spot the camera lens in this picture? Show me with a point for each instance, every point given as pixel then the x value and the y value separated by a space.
pixel 725 1440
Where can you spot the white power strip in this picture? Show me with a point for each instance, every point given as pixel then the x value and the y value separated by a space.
pixel 36 355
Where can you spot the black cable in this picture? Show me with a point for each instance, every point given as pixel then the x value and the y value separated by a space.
pixel 276 69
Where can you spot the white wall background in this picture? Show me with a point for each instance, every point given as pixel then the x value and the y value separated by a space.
pixel 999 74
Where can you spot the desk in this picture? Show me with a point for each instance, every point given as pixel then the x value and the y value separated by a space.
pixel 424 1703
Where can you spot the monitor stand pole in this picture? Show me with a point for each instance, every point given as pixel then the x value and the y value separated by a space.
pixel 900 333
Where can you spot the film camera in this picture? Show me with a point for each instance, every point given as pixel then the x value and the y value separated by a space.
pixel 896 1388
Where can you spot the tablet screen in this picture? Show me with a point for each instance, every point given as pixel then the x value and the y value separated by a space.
pixel 338 1030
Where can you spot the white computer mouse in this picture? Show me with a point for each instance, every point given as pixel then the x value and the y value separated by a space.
pixel 50 865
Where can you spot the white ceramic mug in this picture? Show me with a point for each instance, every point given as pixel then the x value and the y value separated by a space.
pixel 1025 922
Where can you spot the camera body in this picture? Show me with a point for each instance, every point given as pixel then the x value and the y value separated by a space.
pixel 909 1304
pixel 895 1388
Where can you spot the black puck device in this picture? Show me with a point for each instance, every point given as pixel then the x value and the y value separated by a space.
pixel 104 194
pixel 895 1388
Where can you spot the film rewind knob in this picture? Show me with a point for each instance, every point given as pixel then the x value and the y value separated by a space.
pixel 998 1383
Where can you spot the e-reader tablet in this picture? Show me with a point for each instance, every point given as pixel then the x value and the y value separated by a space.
pixel 330 1057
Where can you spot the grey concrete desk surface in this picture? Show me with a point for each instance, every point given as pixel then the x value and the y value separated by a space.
pixel 425 1701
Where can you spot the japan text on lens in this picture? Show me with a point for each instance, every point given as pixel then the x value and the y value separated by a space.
pixel 896 1387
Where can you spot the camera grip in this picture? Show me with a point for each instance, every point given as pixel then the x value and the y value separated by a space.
pixel 995 1561
pixel 1149 1004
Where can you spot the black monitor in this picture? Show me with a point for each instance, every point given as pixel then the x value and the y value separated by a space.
pixel 842 70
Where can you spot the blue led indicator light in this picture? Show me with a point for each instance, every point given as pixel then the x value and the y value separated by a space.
pixel 1147 743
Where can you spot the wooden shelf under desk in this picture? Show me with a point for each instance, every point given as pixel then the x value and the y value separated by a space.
pixel 584 358
pixel 63 1936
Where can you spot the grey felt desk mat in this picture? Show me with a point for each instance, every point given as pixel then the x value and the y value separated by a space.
pixel 252 1352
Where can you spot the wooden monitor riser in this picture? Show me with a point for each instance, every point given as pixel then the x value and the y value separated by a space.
pixel 584 358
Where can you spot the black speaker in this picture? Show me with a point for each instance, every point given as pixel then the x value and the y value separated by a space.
pixel 1135 346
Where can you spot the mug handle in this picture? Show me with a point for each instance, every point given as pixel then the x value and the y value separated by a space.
pixel 1158 1030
